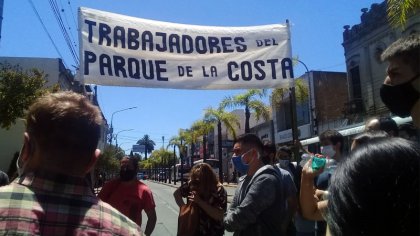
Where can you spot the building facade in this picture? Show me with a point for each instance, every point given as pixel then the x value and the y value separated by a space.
pixel 363 45
pixel 323 108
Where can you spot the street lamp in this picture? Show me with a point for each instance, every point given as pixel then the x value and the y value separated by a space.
pixel 116 136
pixel 111 129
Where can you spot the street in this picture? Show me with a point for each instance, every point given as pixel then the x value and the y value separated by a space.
pixel 167 210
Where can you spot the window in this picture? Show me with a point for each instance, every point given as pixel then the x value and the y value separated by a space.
pixel 356 86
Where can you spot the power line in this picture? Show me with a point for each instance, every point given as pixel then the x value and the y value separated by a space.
pixel 68 24
pixel 74 19
pixel 46 31
pixel 63 29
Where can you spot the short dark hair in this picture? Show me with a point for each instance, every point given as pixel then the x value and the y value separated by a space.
pixel 375 191
pixel 65 124
pixel 407 48
pixel 252 141
pixel 388 124
pixel 285 149
pixel 334 136
pixel 134 161
pixel 366 137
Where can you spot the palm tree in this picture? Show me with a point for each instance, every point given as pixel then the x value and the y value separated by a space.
pixel 399 10
pixel 191 138
pixel 301 92
pixel 219 116
pixel 149 145
pixel 250 103
pixel 203 128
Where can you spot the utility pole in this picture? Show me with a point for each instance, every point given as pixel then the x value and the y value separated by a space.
pixel 1 14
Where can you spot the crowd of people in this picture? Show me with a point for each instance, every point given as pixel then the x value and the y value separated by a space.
pixel 371 190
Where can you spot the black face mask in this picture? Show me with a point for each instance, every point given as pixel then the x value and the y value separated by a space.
pixel 401 98
pixel 127 174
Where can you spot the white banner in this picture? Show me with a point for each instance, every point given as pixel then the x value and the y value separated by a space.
pixel 126 51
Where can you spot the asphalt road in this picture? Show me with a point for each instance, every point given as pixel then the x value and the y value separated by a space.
pixel 167 210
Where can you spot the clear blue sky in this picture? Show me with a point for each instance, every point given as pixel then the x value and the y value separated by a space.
pixel 317 28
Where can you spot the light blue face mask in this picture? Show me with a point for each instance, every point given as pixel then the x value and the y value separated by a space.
pixel 239 164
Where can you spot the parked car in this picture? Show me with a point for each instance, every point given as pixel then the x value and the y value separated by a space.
pixel 162 176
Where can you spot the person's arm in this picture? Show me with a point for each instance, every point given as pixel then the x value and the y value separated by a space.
pixel 298 145
pixel 307 199
pixel 259 197
pixel 178 198
pixel 151 221
pixel 215 212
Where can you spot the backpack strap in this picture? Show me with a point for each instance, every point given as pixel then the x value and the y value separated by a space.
pixel 262 170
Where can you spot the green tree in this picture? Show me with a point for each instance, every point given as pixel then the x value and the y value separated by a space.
pixel 249 100
pixel 399 11
pixel 149 145
pixel 18 90
pixel 162 157
pixel 301 93
pixel 109 162
pixel 203 128
pixel 219 116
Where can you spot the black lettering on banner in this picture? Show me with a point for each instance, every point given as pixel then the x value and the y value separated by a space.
pixel 214 45
pixel 119 34
pixel 187 70
pixel 105 63
pixel 213 71
pixel 287 65
pixel 160 69
pixel 187 40
pixel 133 36
pixel 232 65
pixel 161 47
pixel 272 62
pixel 90 57
pixel 173 42
pixel 104 31
pixel 200 45
pixel 239 41
pixel 150 69
pixel 257 66
pixel 147 41
pixel 226 45
pixel 266 42
pixel 90 29
pixel 133 66
pixel 246 67
pixel 119 64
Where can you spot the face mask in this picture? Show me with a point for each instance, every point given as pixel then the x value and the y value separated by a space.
pixel 239 164
pixel 327 151
pixel 127 174
pixel 401 98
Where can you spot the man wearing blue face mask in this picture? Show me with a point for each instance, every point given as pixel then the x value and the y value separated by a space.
pixel 259 204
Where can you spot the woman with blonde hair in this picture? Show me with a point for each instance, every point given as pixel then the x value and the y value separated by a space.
pixel 207 196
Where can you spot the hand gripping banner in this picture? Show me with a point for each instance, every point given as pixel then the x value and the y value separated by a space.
pixel 120 50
